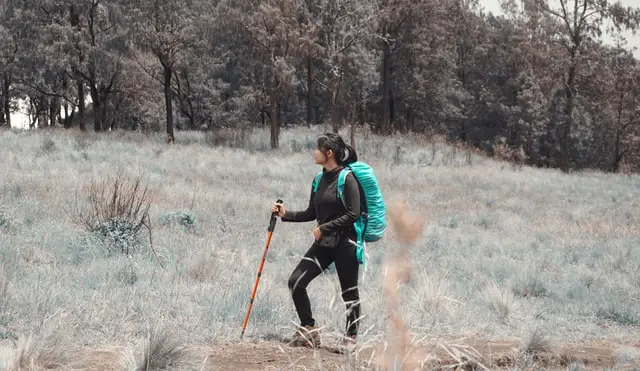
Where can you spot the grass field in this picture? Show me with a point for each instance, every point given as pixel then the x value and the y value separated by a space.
pixel 530 256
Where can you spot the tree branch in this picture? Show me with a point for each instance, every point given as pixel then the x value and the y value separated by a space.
pixel 402 21
pixel 633 120
pixel 150 73
pixel 44 92
pixel 564 16
pixel 259 42
pixel 324 86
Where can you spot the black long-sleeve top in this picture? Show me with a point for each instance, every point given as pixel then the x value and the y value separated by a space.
pixel 325 206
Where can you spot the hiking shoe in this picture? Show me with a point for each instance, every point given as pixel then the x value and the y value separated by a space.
pixel 347 344
pixel 306 336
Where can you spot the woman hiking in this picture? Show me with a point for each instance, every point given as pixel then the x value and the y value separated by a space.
pixel 334 238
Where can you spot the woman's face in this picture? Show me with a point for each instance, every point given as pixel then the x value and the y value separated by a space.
pixel 320 157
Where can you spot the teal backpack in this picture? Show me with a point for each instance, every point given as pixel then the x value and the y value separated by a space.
pixel 371 225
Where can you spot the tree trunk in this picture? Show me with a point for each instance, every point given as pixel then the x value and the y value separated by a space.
pixel 463 132
pixel 408 125
pixel 67 116
pixel 103 111
pixel 275 121
pixel 54 111
pixel 6 99
pixel 264 113
pixel 309 91
pixel 33 107
pixel 66 122
pixel 392 110
pixel 114 117
pixel 617 159
pixel 3 119
pixel 97 108
pixel 617 155
pixel 566 130
pixel 412 122
pixel 362 111
pixel 279 112
pixel 352 135
pixel 335 114
pixel 43 116
pixel 99 95
pixel 386 87
pixel 81 105
pixel 167 101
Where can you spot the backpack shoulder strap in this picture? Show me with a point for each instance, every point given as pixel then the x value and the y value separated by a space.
pixel 341 179
pixel 316 181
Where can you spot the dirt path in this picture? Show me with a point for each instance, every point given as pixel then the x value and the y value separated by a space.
pixel 274 355
pixel 468 354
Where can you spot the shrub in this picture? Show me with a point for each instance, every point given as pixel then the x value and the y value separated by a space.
pixel 83 142
pixel 502 151
pixel 117 210
pixel 47 146
pixel 184 218
pixel 4 220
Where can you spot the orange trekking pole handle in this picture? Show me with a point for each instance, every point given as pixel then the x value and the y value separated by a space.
pixel 272 226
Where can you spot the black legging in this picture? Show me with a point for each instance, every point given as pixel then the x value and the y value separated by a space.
pixel 347 266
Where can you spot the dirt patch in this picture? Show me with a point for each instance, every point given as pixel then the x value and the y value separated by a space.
pixel 508 354
pixel 460 354
pixel 466 354
pixel 273 355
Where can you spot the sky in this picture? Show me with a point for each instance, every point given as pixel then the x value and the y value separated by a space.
pixel 633 40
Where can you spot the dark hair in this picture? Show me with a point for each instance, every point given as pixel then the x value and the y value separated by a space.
pixel 344 153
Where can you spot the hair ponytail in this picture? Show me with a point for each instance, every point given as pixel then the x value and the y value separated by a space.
pixel 352 156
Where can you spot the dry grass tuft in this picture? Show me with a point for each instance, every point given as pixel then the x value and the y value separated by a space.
pixel 435 292
pixel 463 357
pixel 502 301
pixel 162 350
pixel 537 343
pixel 45 352
pixel 4 284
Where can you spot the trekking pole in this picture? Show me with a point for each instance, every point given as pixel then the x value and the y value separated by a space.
pixel 272 226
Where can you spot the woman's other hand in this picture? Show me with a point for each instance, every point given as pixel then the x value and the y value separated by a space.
pixel 317 234
pixel 279 209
